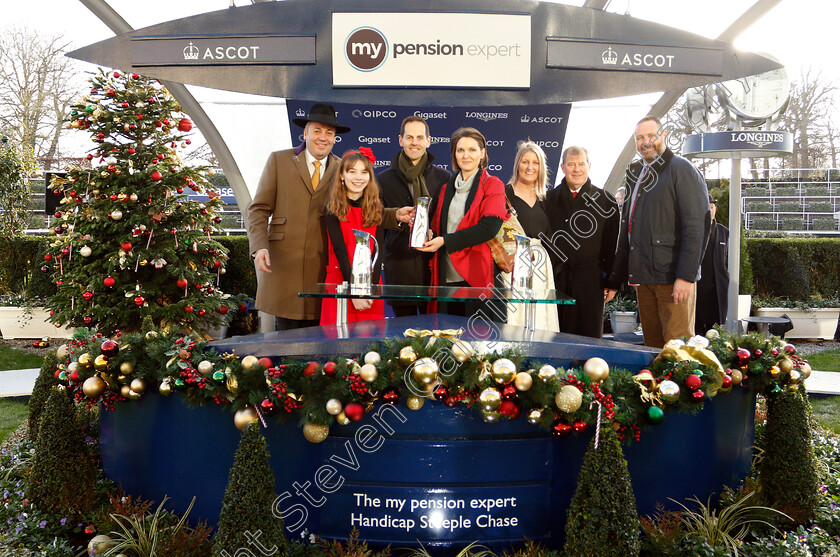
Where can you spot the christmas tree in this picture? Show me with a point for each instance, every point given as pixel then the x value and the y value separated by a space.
pixel 130 244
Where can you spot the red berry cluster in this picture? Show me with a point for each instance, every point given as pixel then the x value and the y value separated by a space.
pixel 357 384
pixel 279 389
pixel 634 429
pixel 276 372
pixel 219 399
pixel 290 404
pixel 605 400
pixel 192 377
pixel 571 379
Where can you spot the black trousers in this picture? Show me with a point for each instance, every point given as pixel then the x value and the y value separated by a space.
pixel 283 324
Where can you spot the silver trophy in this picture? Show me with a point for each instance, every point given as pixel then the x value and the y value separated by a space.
pixel 522 277
pixel 420 228
pixel 361 277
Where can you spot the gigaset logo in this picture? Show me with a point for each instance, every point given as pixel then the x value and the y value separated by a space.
pixel 366 49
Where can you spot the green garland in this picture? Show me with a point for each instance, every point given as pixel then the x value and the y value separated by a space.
pixel 504 385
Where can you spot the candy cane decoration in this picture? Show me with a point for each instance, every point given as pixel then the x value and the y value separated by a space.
pixel 598 421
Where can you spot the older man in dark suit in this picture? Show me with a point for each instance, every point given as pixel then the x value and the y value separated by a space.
pixel 290 248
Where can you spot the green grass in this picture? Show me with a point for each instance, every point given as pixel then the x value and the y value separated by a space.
pixel 12 414
pixel 18 359
pixel 827 412
pixel 828 360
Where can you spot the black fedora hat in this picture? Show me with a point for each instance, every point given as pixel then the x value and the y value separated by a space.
pixel 322 114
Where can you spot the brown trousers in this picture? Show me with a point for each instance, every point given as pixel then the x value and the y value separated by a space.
pixel 662 319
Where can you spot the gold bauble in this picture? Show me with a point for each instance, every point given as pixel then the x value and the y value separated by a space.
pixel 85 251
pixel 125 390
pixel 407 355
pixel 490 399
pixel 774 371
pixel 547 373
pixel 568 399
pixel 100 544
pixel 144 262
pixel 534 416
pixel 205 367
pixel 786 365
pixel 737 377
pixel 368 372
pixel 138 385
pixel 100 363
pixel 61 352
pixel 85 360
pixel 232 384
pixel 134 395
pixel 334 406
pixel 415 402
pixel 373 358
pixel 126 368
pixel 133 197
pixel 503 371
pixel 249 363
pixel 523 381
pixel 244 417
pixel 805 370
pixel 342 418
pixel 93 387
pixel 151 335
pixel 596 369
pixel 315 433
pixel 670 391
pixel 795 377
pixel 462 350
pixel 425 371
pixel 712 333
pixel 491 417
pixel 71 367
pixel 165 388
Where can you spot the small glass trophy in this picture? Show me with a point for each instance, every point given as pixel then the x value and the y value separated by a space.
pixel 420 228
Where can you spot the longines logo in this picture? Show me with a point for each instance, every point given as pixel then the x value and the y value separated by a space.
pixel 357 113
pixel 486 116
pixel 759 139
pixel 366 49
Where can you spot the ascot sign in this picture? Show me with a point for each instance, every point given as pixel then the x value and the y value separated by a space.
pixel 431 50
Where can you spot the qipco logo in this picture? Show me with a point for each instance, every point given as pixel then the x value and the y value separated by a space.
pixel 366 49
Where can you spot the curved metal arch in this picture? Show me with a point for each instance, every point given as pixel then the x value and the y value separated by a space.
pixel 118 25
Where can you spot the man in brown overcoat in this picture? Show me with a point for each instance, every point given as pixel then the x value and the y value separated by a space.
pixel 290 249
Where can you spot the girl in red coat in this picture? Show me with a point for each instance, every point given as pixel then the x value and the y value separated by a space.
pixel 352 204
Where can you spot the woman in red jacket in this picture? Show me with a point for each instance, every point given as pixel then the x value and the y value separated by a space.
pixel 466 213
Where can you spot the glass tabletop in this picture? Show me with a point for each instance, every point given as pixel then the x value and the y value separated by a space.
pixel 439 293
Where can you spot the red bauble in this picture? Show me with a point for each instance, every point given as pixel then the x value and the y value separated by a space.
pixel 579 426
pixel 57 373
pixel 441 393
pixel 312 369
pixel 188 309
pixel 74 376
pixel 743 356
pixel 559 428
pixel 90 157
pixel 111 92
pixel 131 150
pixel 223 310
pixel 265 362
pixel 354 411
pixel 109 281
pixel 48 257
pixel 116 74
pixel 509 409
pixel 692 382
pixel 758 353
pixel 87 319
pixel 109 348
pixel 330 369
pixel 126 246
pixel 202 312
pixel 182 283
pixel 243 307
pixel 790 349
pixel 88 295
pixel 185 124
pixel 135 76
pixel 389 396
pixel 157 176
pixel 509 391
pixel 698 395
pixel 267 407
pixel 451 401
pixel 727 382
pixel 139 300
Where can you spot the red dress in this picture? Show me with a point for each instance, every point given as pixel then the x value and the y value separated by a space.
pixel 340 249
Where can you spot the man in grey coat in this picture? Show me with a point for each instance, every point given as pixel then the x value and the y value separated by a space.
pixel 664 228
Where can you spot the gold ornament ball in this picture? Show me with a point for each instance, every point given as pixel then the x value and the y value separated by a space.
pixel 125 390
pixel 737 377
pixel 368 372
pixel 415 402
pixel 100 363
pixel 71 367
pixel 134 395
pixel 342 418
pixel 372 358
pixel 245 416
pixel 568 399
pixel 503 371
pixel 61 352
pixel 462 350
pixel 523 381
pixel 315 433
pixel 795 377
pixel 596 369
pixel 774 371
pixel 425 371
pixel 93 387
pixel 712 333
pixel 85 251
pixel 133 197
pixel 126 368
pixel 805 370
pixel 534 416
pixel 786 365
pixel 491 417
pixel 407 355
pixel 232 384
pixel 547 373
pixel 205 367
pixel 334 406
pixel 670 391
pixel 85 360
pixel 138 385
pixel 165 388
pixel 100 544
pixel 249 363
pixel 490 399
pixel 151 335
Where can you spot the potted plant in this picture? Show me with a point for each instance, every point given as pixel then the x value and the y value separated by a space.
pixel 622 312
pixel 26 318
pixel 812 318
